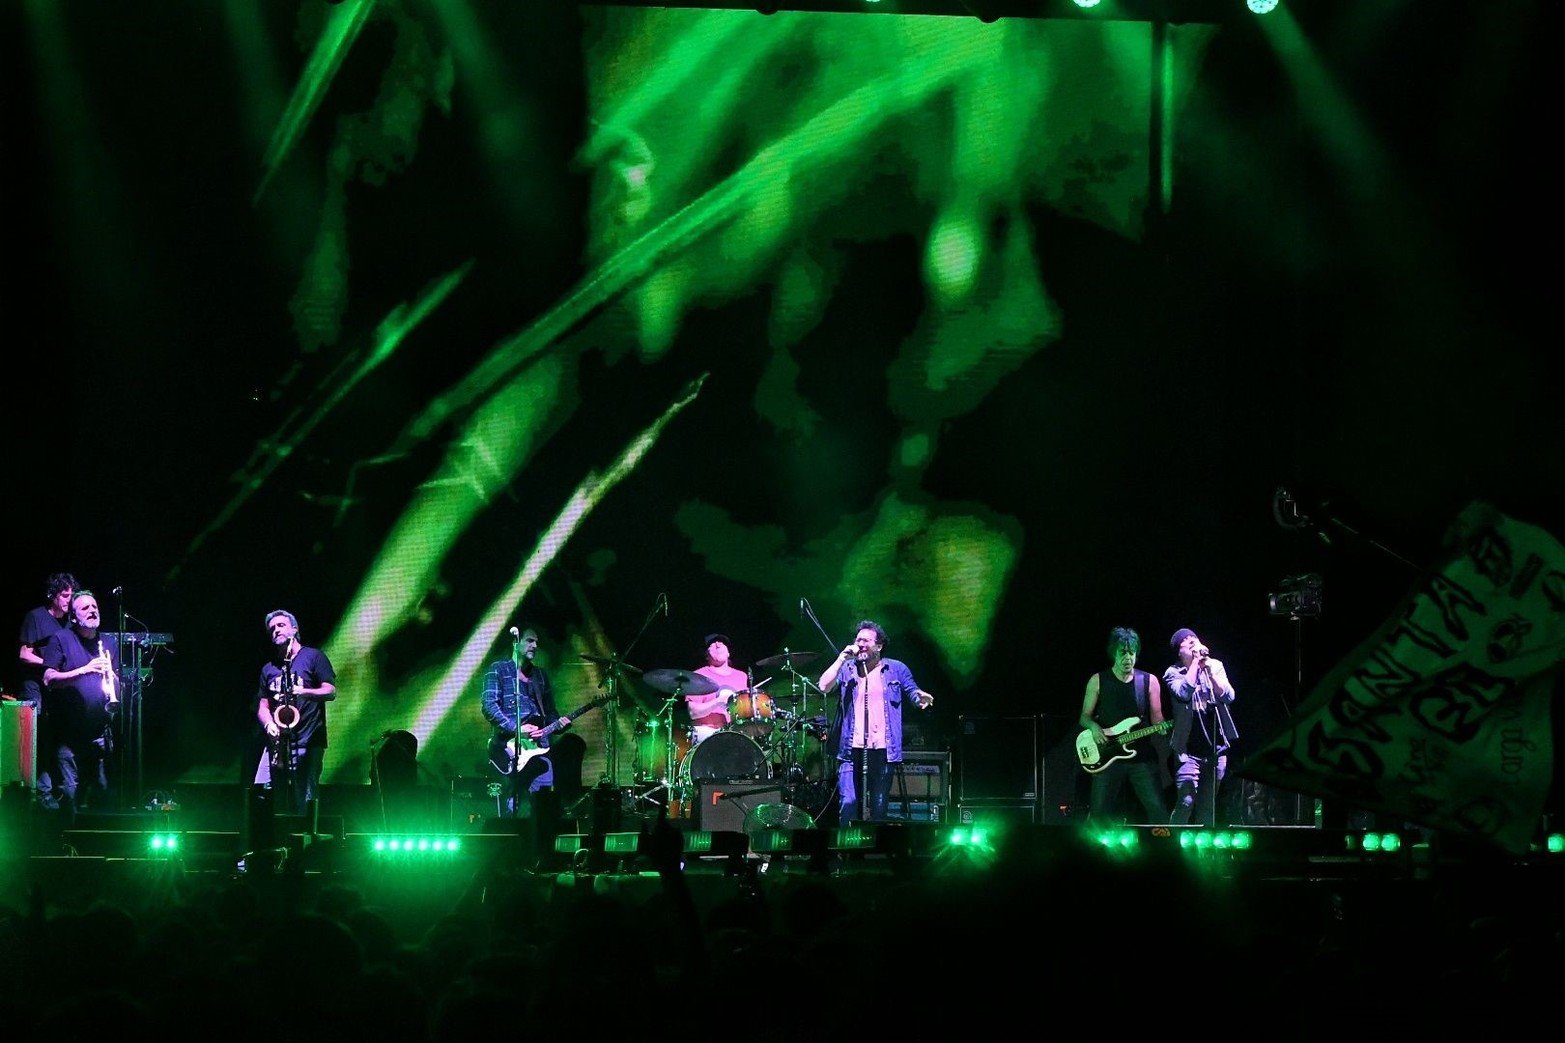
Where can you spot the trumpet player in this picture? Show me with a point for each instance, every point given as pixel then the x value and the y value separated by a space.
pixel 296 684
pixel 81 693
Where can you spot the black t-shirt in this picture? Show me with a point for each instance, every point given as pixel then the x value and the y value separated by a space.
pixel 311 669
pixel 78 708
pixel 37 625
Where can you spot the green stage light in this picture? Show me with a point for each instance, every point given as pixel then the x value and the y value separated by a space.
pixel 163 843
pixel 414 845
pixel 1375 842
pixel 975 837
pixel 855 838
pixel 1555 843
pixel 621 843
pixel 1119 839
pixel 1086 4
pixel 1261 6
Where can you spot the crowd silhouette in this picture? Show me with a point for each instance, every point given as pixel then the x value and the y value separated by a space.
pixel 1034 932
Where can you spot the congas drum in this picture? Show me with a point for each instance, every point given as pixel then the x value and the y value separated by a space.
pixel 753 712
pixel 726 755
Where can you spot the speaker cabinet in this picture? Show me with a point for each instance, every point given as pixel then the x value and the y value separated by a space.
pixel 722 806
pixel 18 744
pixel 1067 788
pixel 998 813
pixel 997 759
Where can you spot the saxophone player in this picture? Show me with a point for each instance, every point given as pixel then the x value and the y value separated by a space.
pixel 296 684
pixel 81 693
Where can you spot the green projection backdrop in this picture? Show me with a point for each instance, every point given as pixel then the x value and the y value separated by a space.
pixel 423 319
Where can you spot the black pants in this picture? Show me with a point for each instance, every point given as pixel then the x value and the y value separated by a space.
pixel 1107 784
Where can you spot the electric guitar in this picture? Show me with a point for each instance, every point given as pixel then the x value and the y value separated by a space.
pixel 507 754
pixel 1116 744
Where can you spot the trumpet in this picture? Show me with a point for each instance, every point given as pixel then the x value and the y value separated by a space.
pixel 110 692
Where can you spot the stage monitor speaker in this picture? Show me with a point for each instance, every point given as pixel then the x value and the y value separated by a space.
pixel 997 758
pixel 18 744
pixel 722 806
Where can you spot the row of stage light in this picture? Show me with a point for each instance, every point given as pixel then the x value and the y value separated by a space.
pixel 978 846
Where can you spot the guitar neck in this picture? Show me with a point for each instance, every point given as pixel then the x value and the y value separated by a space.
pixel 560 721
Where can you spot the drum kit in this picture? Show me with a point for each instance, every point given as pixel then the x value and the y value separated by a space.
pixel 772 736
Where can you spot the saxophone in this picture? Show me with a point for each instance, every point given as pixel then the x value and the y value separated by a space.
pixel 286 714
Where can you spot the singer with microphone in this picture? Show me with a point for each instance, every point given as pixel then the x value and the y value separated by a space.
pixel 1203 726
pixel 871 693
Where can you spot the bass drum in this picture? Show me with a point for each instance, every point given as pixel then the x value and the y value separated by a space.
pixel 725 755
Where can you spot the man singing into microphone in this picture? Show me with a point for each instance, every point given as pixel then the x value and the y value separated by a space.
pixel 871 692
pixel 1203 726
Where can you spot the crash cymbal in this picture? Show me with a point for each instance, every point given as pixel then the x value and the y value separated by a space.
pixel 683 681
pixel 609 661
pixel 788 659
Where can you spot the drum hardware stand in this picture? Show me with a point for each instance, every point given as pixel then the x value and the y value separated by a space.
pixel 615 663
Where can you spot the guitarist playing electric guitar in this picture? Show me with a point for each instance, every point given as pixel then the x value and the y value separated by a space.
pixel 518 703
pixel 1114 695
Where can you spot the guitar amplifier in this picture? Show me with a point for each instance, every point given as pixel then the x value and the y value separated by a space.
pixel 915 811
pixel 924 776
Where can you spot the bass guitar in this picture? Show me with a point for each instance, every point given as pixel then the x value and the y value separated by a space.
pixel 511 753
pixel 1116 743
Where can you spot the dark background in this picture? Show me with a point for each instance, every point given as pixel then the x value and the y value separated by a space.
pixel 1348 303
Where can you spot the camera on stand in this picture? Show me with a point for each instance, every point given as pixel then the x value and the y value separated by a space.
pixel 1297 596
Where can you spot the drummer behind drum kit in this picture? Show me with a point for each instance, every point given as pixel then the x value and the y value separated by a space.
pixel 764 741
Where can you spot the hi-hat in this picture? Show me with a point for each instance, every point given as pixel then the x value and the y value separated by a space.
pixel 609 661
pixel 682 681
pixel 788 659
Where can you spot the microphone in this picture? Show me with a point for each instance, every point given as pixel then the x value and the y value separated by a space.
pixel 516 635
pixel 117 591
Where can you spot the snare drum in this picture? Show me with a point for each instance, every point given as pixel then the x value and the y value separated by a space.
pixel 753 711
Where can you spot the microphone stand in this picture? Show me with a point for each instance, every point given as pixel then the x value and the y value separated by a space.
pixel 834 720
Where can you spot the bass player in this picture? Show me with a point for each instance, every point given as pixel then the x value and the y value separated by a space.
pixel 1120 695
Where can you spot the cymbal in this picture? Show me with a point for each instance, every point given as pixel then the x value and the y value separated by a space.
pixel 609 661
pixel 683 681
pixel 788 659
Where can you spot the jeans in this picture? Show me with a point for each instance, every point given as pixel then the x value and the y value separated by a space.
pixel 879 774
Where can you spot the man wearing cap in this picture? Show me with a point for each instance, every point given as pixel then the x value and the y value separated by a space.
pixel 1203 726
pixel 709 714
